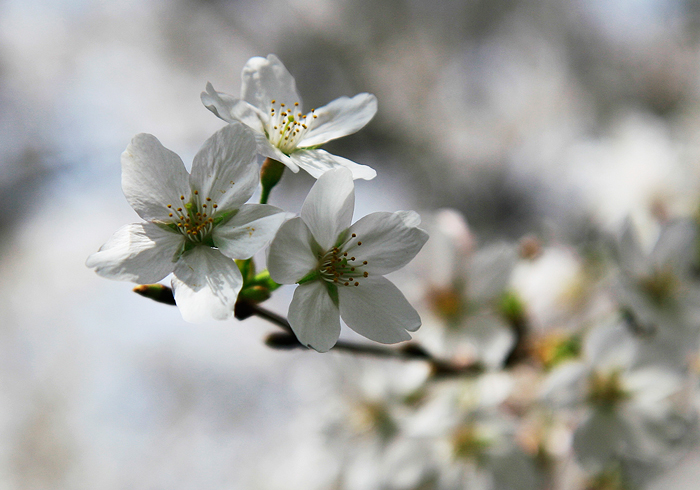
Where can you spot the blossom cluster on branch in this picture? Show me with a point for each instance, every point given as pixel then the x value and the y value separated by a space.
pixel 197 225
pixel 538 366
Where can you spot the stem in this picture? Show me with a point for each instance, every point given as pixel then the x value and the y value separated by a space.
pixel 288 340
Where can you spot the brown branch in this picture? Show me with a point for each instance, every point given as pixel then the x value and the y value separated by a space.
pixel 286 340
pixel 408 352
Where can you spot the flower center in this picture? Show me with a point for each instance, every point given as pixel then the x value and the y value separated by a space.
pixel 288 125
pixel 660 285
pixel 469 444
pixel 337 266
pixel 194 219
pixel 606 390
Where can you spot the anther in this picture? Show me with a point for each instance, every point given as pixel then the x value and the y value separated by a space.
pixel 352 258
pixel 353 235
pixel 347 283
pixel 170 205
pixel 366 274
pixel 359 243
pixel 364 262
pixel 357 283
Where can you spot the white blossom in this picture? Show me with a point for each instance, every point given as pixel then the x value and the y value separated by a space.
pixel 464 289
pixel 340 268
pixel 195 224
pixel 628 414
pixel 271 106
pixel 659 291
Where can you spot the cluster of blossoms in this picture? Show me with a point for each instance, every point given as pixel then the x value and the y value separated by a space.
pixel 537 367
pixel 567 369
pixel 198 224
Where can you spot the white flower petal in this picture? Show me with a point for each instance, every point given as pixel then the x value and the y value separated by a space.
pixel 314 317
pixel 206 285
pixel 492 337
pixel 610 346
pixel 631 256
pixel 318 162
pixel 141 253
pixel 652 385
pixel 603 437
pixel 410 218
pixel 377 310
pixel 388 243
pixel 328 207
pixel 265 80
pixel 677 246
pixel 231 109
pixel 266 149
pixel 225 168
pixel 566 385
pixel 340 118
pixel 490 270
pixel 152 177
pixel 248 231
pixel 290 256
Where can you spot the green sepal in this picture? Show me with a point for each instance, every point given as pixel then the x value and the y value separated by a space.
pixel 270 174
pixel 311 276
pixel 254 294
pixel 263 279
pixel 512 308
pixel 333 293
pixel 247 268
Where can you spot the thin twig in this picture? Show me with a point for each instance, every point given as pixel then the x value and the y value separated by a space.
pixel 288 340
pixel 409 352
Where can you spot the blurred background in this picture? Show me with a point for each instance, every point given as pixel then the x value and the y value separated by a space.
pixel 554 117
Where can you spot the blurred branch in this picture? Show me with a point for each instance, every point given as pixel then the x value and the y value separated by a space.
pixel 286 340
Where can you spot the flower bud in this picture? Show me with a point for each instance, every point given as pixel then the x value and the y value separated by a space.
pixel 156 292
